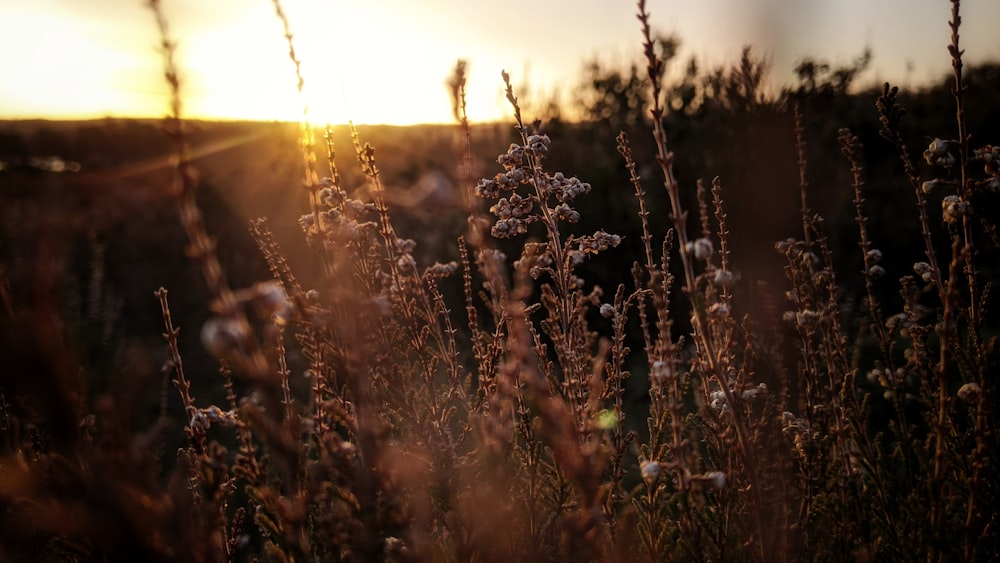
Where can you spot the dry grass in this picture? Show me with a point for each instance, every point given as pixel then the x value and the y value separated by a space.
pixel 478 409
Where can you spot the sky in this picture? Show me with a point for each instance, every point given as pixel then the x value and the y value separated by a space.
pixel 386 61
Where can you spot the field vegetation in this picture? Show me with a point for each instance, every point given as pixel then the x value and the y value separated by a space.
pixel 708 321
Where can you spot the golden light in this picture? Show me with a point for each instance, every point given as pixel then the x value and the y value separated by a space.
pixel 386 61
pixel 360 64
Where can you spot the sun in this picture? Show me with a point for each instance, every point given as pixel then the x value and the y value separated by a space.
pixel 358 63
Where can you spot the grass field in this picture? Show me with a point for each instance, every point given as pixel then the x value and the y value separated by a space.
pixel 707 322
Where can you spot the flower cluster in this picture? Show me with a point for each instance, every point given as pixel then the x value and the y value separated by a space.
pixel 969 392
pixel 990 155
pixel 597 242
pixel 804 438
pixel 203 418
pixel 717 398
pixel 873 257
pixel 223 335
pixel 953 208
pixel 512 215
pixel 924 270
pixel 701 248
pixel 714 479
pixel 939 153
pixel 342 219
pixel 650 471
pixel 551 197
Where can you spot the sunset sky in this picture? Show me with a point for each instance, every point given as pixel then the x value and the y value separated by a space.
pixel 385 61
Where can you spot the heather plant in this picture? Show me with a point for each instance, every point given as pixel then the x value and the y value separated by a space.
pixel 390 408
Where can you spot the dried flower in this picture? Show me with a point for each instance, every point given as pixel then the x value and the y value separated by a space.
pixel 439 270
pixel 506 228
pixel 924 270
pixel 953 208
pixel 199 421
pixel 650 471
pixel 566 213
pixel 701 248
pixel 724 278
pixel 607 310
pixel 717 400
pixel 222 335
pixel 938 153
pixel 806 317
pixel 969 392
pixel 754 392
pixel 539 144
pixel 716 479
pixel 930 185
pixel 406 262
pixel 271 299
pixel 988 153
pixel 661 371
pixel 718 311
pixel 487 189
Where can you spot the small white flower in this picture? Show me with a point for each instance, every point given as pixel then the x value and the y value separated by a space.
pixel 938 146
pixel 650 471
pixel 717 400
pixel 724 278
pixel 953 208
pixel 199 421
pixel 716 479
pixel 661 371
pixel 924 270
pixel 806 317
pixel 701 248
pixel 938 153
pixel 406 262
pixel 222 335
pixel 271 299
pixel 607 310
pixel 753 392
pixel 718 311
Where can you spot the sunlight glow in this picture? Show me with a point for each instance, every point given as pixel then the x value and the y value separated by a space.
pixel 387 61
